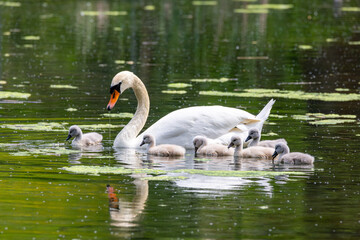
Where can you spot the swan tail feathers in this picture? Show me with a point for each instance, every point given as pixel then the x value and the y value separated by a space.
pixel 264 113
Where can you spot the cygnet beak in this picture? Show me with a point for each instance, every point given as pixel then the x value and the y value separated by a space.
pixel 142 143
pixel 231 144
pixel 274 155
pixel 248 138
pixel 68 137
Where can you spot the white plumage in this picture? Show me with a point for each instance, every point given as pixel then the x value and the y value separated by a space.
pixel 254 135
pixel 295 158
pixel 165 150
pixel 180 126
pixel 250 152
pixel 204 148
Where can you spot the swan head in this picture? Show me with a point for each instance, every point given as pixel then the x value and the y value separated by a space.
pixel 253 134
pixel 74 131
pixel 147 139
pixel 198 141
pixel 235 141
pixel 121 81
pixel 279 149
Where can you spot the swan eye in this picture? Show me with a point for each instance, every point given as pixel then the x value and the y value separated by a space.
pixel 115 87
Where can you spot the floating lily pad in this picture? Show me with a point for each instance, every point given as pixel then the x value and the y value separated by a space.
pixel 350 9
pixel 269 134
pixel 204 80
pixel 7 33
pixel 10 4
pixel 28 46
pixel 118 115
pixel 270 6
pixel 174 91
pixel 63 86
pixel 117 29
pixel 96 170
pixel 204 3
pixel 331 121
pixel 305 47
pixel 277 93
pixel 179 85
pixel 358 135
pixel 107 13
pixel 316 116
pixel 71 109
pixel 5 94
pixel 40 126
pixel 31 38
pixel 149 8
pixel 245 174
pixel 253 10
pixel 245 0
pixel 20 154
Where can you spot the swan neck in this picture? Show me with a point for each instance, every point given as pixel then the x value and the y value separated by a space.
pixel 132 129
pixel 238 150
pixel 254 142
pixel 286 151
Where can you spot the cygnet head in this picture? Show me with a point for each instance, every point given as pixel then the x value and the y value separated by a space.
pixel 74 131
pixel 235 141
pixel 279 149
pixel 198 141
pixel 121 81
pixel 147 139
pixel 253 134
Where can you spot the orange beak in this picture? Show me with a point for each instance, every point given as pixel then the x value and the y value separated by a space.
pixel 113 99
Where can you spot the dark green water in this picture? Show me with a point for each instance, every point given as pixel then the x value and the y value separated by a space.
pixel 312 47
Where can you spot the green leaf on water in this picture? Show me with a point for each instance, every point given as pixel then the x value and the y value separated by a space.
pixel 332 121
pixel 179 85
pixel 6 94
pixel 63 86
pixel 118 115
pixel 99 126
pixel 329 40
pixel 342 89
pixel 40 126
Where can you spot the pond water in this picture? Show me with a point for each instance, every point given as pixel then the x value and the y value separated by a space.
pixel 57 62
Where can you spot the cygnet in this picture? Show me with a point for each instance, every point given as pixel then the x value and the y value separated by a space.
pixel 164 150
pixel 254 134
pixel 295 158
pixel 250 152
pixel 81 139
pixel 204 148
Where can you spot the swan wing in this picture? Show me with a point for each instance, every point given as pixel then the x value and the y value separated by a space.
pixel 181 126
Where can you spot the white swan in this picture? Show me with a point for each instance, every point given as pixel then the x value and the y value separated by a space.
pixel 204 148
pixel 295 158
pixel 180 126
pixel 250 152
pixel 254 134
pixel 165 150
pixel 81 139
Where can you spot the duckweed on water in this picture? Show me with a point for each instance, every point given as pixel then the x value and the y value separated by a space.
pixel 325 119
pixel 107 13
pixel 204 3
pixel 5 94
pixel 354 43
pixel 63 86
pixel 204 80
pixel 99 126
pixel 277 116
pixel 277 93
pixel 179 85
pixel 40 126
pixel 174 92
pixel 164 178
pixel 342 89
pixel 149 8
pixel 10 4
pixel 350 9
pixel 3 82
pixel 31 38
pixel 332 121
pixel 118 115
pixel 330 40
pixel 254 10
pixel 305 47
pixel 96 170
pixel 71 109
pixel 270 6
